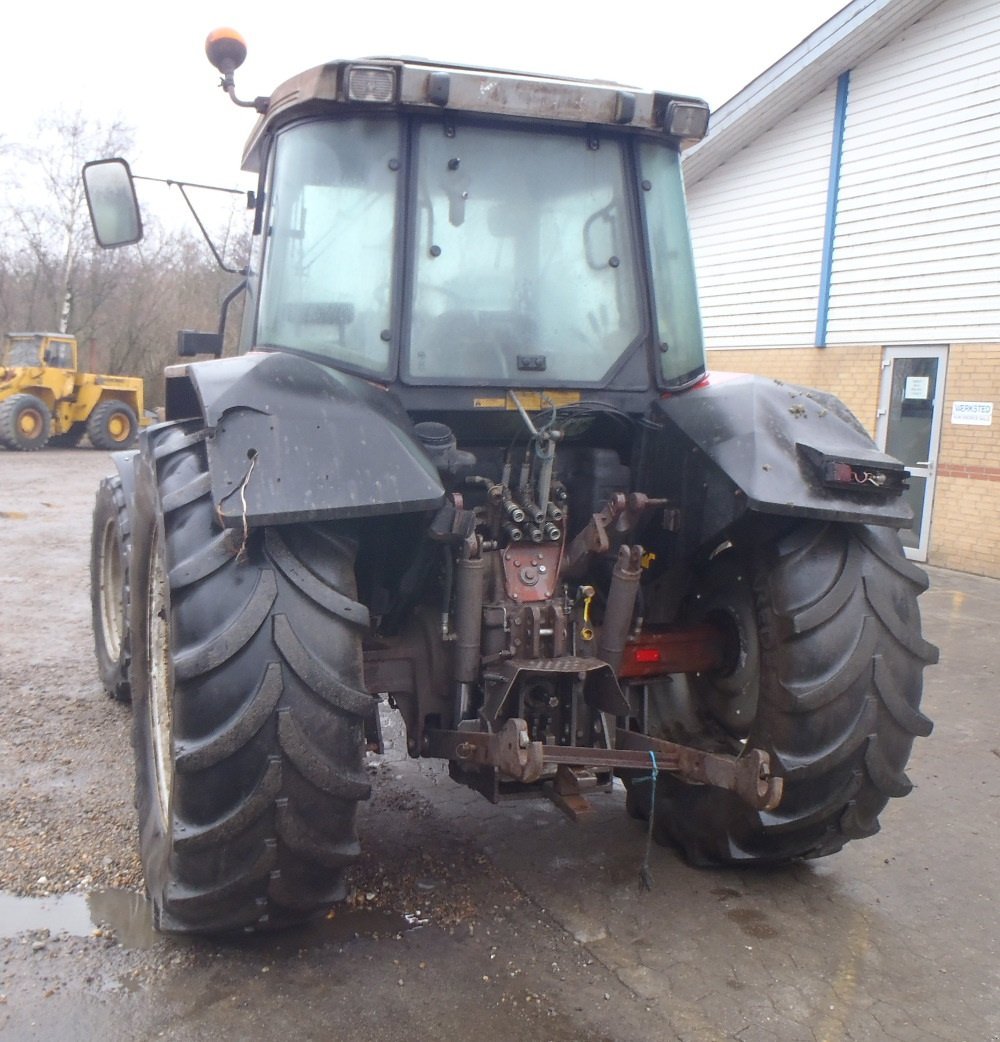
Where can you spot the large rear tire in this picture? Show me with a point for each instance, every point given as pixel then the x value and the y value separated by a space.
pixel 110 539
pixel 824 673
pixel 249 704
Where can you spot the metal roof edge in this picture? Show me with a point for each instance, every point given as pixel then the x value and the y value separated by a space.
pixel 852 34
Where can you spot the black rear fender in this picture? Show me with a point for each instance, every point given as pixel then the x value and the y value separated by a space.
pixel 125 465
pixel 292 441
pixel 740 443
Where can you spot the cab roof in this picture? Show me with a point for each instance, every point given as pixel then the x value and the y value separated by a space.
pixel 415 84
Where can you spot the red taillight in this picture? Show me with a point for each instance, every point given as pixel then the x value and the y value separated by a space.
pixel 694 649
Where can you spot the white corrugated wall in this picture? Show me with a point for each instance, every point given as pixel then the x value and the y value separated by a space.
pixel 757 224
pixel 917 249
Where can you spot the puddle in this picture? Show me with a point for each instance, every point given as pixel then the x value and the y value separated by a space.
pixel 339 926
pixel 128 915
pixel 753 923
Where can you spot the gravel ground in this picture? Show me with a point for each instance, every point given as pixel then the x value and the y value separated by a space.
pixel 468 920
pixel 66 790
pixel 66 787
pixel 409 948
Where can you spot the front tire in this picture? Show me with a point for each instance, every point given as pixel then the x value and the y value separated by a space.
pixel 249 704
pixel 824 673
pixel 25 423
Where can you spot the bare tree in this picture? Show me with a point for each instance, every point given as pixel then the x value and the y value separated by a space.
pixel 46 223
pixel 124 305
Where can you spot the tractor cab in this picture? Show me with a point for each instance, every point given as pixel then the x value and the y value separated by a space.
pixel 516 244
pixel 425 225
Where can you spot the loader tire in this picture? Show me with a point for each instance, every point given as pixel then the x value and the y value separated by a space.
pixel 249 704
pixel 825 674
pixel 25 423
pixel 112 425
pixel 110 549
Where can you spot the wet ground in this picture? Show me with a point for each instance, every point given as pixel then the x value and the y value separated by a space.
pixel 469 920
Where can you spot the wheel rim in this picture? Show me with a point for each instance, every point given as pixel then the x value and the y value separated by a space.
pixel 160 683
pixel 730 693
pixel 110 572
pixel 119 427
pixel 734 688
pixel 29 423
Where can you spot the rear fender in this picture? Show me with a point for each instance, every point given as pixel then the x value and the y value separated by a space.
pixel 292 441
pixel 739 443
pixel 125 465
pixel 31 386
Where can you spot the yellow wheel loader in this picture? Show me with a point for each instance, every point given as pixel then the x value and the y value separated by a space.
pixel 45 398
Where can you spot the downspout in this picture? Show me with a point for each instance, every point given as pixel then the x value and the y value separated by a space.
pixel 832 197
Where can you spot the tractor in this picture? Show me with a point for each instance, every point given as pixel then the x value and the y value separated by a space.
pixel 469 462
pixel 45 398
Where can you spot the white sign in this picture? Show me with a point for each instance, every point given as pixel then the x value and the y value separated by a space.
pixel 972 414
pixel 917 387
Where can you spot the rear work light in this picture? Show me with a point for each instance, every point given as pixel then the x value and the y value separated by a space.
pixel 372 83
pixel 861 478
pixel 686 119
pixel 861 470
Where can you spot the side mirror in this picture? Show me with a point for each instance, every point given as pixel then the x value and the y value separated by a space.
pixel 114 209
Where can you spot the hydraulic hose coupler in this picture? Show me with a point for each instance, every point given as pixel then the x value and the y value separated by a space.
pixel 535 512
pixel 552 533
pixel 513 511
pixel 514 534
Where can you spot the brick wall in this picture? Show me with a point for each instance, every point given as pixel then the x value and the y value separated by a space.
pixel 965 525
pixel 851 373
pixel 965 518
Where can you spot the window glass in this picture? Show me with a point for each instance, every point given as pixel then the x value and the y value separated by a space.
pixel 525 267
pixel 24 351
pixel 59 354
pixel 327 271
pixel 682 351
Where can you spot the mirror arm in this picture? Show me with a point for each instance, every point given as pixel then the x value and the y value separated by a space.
pixel 204 231
pixel 182 185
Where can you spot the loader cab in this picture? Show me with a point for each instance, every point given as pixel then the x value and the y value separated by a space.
pixel 426 227
pixel 39 349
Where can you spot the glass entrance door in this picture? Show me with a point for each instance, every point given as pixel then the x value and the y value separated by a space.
pixel 909 428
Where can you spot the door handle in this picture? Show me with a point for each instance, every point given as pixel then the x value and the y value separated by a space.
pixel 922 463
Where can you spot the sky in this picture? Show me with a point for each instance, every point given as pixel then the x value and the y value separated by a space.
pixel 144 64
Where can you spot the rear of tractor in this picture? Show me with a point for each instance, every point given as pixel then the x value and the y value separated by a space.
pixel 471 463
